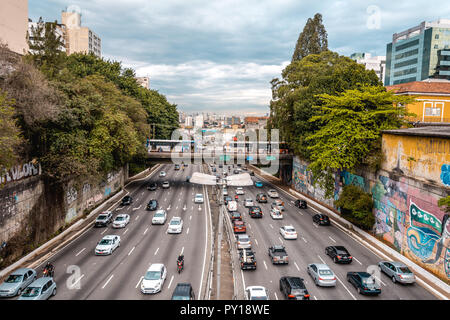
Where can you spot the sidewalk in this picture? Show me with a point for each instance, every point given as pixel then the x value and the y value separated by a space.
pixel 430 282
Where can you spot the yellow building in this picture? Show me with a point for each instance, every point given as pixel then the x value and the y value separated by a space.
pixel 432 99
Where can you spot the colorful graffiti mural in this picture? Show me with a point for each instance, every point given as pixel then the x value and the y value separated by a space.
pixel 445 174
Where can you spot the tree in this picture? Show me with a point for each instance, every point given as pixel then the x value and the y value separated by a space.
pixel 445 202
pixel 350 125
pixel 10 139
pixel 356 206
pixel 312 40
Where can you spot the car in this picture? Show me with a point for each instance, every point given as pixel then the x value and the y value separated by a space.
pixel 152 205
pixel 198 198
pixel 154 278
pixel 226 199
pixel 259 184
pixel 278 254
pixel 240 190
pixel 177 167
pixel 127 200
pixel 152 186
pixel 301 204
pixel 273 193
pixel 214 169
pixel 231 205
pixel 224 192
pixel 256 293
pixel 166 185
pixel 276 214
pixel 261 198
pixel 248 203
pixel 220 166
pixel 255 212
pixel 159 217
pixel 321 219
pixel 293 288
pixel 235 215
pixel 107 245
pixel 17 281
pixel 188 178
pixel 103 219
pixel 251 173
pixel 41 289
pixel 175 225
pixel 183 291
pixel 322 275
pixel 278 204
pixel 288 232
pixel 247 259
pixel 364 282
pixel 339 254
pixel 162 174
pixel 121 221
pixel 239 226
pixel 243 241
pixel 397 271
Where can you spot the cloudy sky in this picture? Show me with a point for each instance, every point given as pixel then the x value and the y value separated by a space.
pixel 219 56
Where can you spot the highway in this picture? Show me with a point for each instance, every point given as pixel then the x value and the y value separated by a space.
pixel 308 248
pixel 118 276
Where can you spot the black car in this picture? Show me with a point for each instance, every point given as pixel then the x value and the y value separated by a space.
pixel 252 173
pixel 339 254
pixel 255 212
pixel 183 291
pixel 127 200
pixel 364 282
pixel 226 199
pixel 321 219
pixel 177 167
pixel 214 169
pixel 293 288
pixel 261 198
pixel 152 186
pixel 301 204
pixel 152 205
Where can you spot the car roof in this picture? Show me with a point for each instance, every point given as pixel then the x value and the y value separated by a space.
pixel 199 194
pixel 124 215
pixel 39 282
pixel 155 267
pixel 183 288
pixel 321 266
pixel 257 289
pixel 175 218
pixel 292 227
pixel 397 263
pixel 21 271
pixel 160 211
pixel 110 236
pixel 296 281
pixel 363 274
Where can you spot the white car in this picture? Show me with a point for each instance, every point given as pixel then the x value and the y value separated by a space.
pixel 273 193
pixel 239 190
pixel 198 198
pixel 256 293
pixel 166 185
pixel 232 206
pixel 249 203
pixel 121 221
pixel 288 232
pixel 175 225
pixel 154 278
pixel 162 174
pixel 276 214
pixel 159 217
pixel 107 245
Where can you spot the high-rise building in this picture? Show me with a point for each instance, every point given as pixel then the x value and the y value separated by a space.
pixel 376 63
pixel 188 122
pixel 416 54
pixel 199 121
pixel 14 24
pixel 78 38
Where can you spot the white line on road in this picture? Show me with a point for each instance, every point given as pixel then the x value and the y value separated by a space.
pixel 295 264
pixel 187 231
pixel 107 281
pixel 265 265
pixel 256 241
pixel 249 226
pixel 271 226
pixel 332 239
pixel 176 208
pixel 182 250
pixel 76 281
pixel 315 297
pixel 145 231
pixel 80 252
pixel 156 251
pixel 137 208
pixel 126 230
pixel 304 240
pixel 275 294
pixel 139 282
pixel 104 231
pixel 315 225
pixel 170 283
pixel 280 240
pixel 137 217
pixel 357 260
pixel 346 288
pixel 190 217
pixel 321 259
pixel 131 251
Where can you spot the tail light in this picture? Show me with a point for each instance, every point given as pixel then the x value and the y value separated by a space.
pixel 349 257
pixel 334 278
pixel 291 296
pixel 320 279
pixel 339 257
pixel 306 295
pixel 401 277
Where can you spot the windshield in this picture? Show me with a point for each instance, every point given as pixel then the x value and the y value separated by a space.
pixel 175 222
pixel 369 281
pixel 102 217
pixel 290 229
pixel 105 242
pixel 14 278
pixel 404 270
pixel 243 239
pixel 325 272
pixel 159 215
pixel 120 218
pixel 152 275
pixel 31 292
pixel 180 298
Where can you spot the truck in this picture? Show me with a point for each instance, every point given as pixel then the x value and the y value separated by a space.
pixel 247 259
pixel 278 254
pixel 232 206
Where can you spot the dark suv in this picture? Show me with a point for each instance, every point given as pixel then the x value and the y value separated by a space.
pixel 321 219
pixel 152 205
pixel 293 288
pixel 183 291
pixel 152 186
pixel 261 197
pixel 127 200
pixel 339 254
pixel 255 212
pixel 301 204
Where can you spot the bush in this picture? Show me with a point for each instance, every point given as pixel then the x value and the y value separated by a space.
pixel 356 206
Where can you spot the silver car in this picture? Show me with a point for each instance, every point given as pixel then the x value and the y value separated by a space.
pixel 397 271
pixel 17 282
pixel 321 274
pixel 243 241
pixel 41 289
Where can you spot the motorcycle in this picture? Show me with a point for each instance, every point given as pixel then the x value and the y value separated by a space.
pixel 180 266
pixel 48 272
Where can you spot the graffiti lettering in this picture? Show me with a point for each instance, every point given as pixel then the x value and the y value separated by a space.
pixel 21 171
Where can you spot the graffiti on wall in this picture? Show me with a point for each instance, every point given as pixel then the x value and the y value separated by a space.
pixel 21 171
pixel 445 174
pixel 72 195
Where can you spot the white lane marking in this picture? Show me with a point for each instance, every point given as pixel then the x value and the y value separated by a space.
pixel 176 208
pixel 271 226
pixel 126 230
pixel 315 225
pixel 332 239
pixel 199 208
pixel 80 252
pixel 315 298
pixel 171 279
pixel 304 240
pixel 156 251
pixel 192 208
pixel 107 281
pixel 76 281
pixel 184 208
pixel 384 284
pixel 165 199
pixel 117 209
pixel 321 259
pixel 131 250
pixel 275 294
pixel 249 226
pixel 265 265
pixel 137 208
pixel 169 207
pixel 295 264
pixel 145 231
pixel 104 231
pixel 187 231
pixel 137 218
pixel 280 240
pixel 142 193
pixel 140 279
pixel 346 288
pixel 190 217
pixel 357 260
pixel 256 241
pixel 182 250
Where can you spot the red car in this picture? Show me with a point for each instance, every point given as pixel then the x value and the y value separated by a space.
pixel 239 226
pixel 236 216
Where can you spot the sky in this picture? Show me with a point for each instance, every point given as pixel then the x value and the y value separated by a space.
pixel 220 56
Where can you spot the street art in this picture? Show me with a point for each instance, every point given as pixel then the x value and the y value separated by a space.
pixel 72 195
pixel 445 174
pixel 21 171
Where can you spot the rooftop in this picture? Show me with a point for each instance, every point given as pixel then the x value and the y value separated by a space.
pixel 437 86
pixel 432 131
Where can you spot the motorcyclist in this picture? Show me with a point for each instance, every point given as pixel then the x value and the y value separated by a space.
pixel 49 269
pixel 180 260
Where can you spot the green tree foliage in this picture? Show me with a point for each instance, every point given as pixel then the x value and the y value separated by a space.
pixel 445 203
pixel 350 126
pixel 312 40
pixel 294 96
pixel 9 133
pixel 356 206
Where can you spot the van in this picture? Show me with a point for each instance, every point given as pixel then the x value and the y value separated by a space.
pixel 232 206
pixel 183 291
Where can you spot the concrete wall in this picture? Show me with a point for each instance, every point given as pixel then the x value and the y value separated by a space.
pixel 14 24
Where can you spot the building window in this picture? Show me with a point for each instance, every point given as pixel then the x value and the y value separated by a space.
pixel 436 46
pixel 436 36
